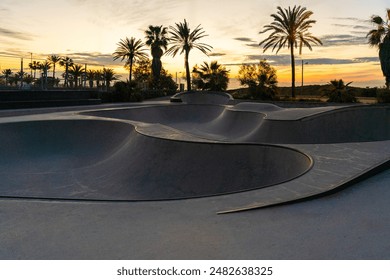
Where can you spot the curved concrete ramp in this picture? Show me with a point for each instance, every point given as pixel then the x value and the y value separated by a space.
pixel 109 160
pixel 202 97
pixel 264 123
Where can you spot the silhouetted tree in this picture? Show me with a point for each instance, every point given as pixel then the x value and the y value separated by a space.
pixel 108 76
pixel 380 37
pixel 260 78
pixel 157 39
pixel 339 92
pixel 7 73
pixel 183 40
pixel 66 62
pixel 54 59
pixel 76 70
pixel 213 77
pixel 290 29
pixel 130 50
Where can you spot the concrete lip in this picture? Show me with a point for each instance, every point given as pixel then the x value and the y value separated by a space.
pixel 250 155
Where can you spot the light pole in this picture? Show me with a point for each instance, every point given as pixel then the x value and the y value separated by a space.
pixel 302 76
pixel 31 63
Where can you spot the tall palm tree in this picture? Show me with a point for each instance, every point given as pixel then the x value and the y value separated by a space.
pixel 54 59
pixel 66 62
pixel 76 70
pixel 157 40
pixel 130 50
pixel 183 40
pixel 290 29
pixel 212 76
pixel 380 37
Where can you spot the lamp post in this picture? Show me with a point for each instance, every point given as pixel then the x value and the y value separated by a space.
pixel 302 75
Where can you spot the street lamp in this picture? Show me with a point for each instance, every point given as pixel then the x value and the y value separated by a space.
pixel 302 76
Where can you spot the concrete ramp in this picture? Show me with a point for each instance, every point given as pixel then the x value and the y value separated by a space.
pixel 264 123
pixel 109 160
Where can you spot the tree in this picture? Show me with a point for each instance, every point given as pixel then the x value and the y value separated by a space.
pixel 157 39
pixel 7 73
pixel 290 29
pixel 54 59
pixel 380 37
pixel 260 78
pixel 143 76
pixel 35 65
pixel 76 71
pixel 339 92
pixel 212 77
pixel 108 76
pixel 66 62
pixel 183 41
pixel 142 72
pixel 131 51
pixel 91 77
pixel 44 67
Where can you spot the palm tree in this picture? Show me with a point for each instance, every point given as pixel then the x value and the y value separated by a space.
pixel 183 40
pixel 290 29
pixel 108 76
pixel 98 77
pixel 212 77
pixel 380 37
pixel 7 73
pixel 130 50
pixel 66 62
pixel 54 59
pixel 76 70
pixel 34 66
pixel 340 92
pixel 91 77
pixel 157 39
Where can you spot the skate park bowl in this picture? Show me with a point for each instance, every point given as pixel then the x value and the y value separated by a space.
pixel 109 160
pixel 249 155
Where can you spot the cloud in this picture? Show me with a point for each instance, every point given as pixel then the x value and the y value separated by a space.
pixel 285 60
pixel 14 34
pixel 93 58
pixel 217 54
pixel 244 39
pixel 343 39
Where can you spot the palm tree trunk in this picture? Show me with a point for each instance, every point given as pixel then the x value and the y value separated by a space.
pixel 54 71
pixel 187 71
pixel 66 75
pixel 131 69
pixel 292 70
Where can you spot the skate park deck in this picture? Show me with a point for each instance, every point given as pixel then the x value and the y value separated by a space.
pixel 160 173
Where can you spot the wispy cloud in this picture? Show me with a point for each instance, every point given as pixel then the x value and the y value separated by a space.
pixel 343 39
pixel 217 54
pixel 244 39
pixel 285 60
pixel 15 34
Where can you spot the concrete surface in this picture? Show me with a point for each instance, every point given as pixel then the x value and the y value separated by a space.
pixel 83 184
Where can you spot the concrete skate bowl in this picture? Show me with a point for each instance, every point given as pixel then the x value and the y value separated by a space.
pixel 264 123
pixel 96 159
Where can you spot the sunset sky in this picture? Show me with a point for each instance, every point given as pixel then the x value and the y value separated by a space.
pixel 88 31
